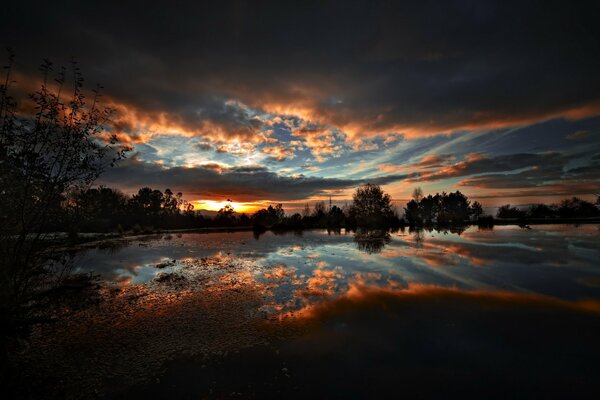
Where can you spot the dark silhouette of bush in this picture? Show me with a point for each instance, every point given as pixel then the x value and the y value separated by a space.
pixel 55 149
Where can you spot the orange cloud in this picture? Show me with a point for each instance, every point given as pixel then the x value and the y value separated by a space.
pixel 361 295
pixel 279 153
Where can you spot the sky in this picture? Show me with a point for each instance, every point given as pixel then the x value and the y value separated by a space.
pixel 291 102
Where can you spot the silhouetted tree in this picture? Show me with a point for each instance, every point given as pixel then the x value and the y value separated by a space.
pixel 412 213
pixel 454 208
pixel 226 215
pixel 335 217
pixel 171 202
pixel 244 220
pixel 269 216
pixel 371 206
pixel 541 211
pixel 278 212
pixel 306 211
pixel 147 201
pixel 319 210
pixel 476 210
pixel 441 209
pixel 429 208
pixel 577 208
pixel 417 194
pixel 99 209
pixel 506 211
pixel 295 220
pixel 44 155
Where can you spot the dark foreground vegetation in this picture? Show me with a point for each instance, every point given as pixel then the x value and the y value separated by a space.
pixel 52 143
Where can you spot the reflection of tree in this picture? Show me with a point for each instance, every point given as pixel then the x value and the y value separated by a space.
pixel 418 233
pixel 418 236
pixel 112 246
pixel 371 241
pixel 257 233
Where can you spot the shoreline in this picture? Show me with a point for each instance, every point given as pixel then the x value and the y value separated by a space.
pixel 84 238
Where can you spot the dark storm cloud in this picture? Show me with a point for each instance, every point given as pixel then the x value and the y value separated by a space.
pixel 539 166
pixel 552 174
pixel 215 181
pixel 590 171
pixel 365 67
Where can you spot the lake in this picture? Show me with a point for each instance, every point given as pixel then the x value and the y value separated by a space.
pixel 555 260
pixel 494 313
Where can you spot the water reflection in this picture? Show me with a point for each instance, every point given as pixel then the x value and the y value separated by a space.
pixel 371 241
pixel 420 309
pixel 552 260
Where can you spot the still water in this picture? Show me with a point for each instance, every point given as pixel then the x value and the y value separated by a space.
pixel 502 313
pixel 561 261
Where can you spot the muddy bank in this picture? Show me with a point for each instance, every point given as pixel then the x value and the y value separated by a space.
pixel 209 308
pixel 224 327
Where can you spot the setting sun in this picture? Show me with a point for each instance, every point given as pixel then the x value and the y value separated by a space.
pixel 212 205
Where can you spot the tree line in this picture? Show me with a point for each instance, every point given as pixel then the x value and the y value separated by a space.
pixel 572 208
pixel 445 209
pixel 455 209
pixel 105 209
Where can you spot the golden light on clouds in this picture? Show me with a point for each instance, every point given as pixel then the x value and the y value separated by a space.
pixel 213 205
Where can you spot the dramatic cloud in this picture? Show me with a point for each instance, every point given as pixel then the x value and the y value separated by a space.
pixel 215 181
pixel 492 96
pixel 402 67
pixel 279 153
pixel 552 175
pixel 539 164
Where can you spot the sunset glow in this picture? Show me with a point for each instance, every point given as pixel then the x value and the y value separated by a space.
pixel 212 205
pixel 439 113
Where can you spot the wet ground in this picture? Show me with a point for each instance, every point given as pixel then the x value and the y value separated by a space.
pixel 507 313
